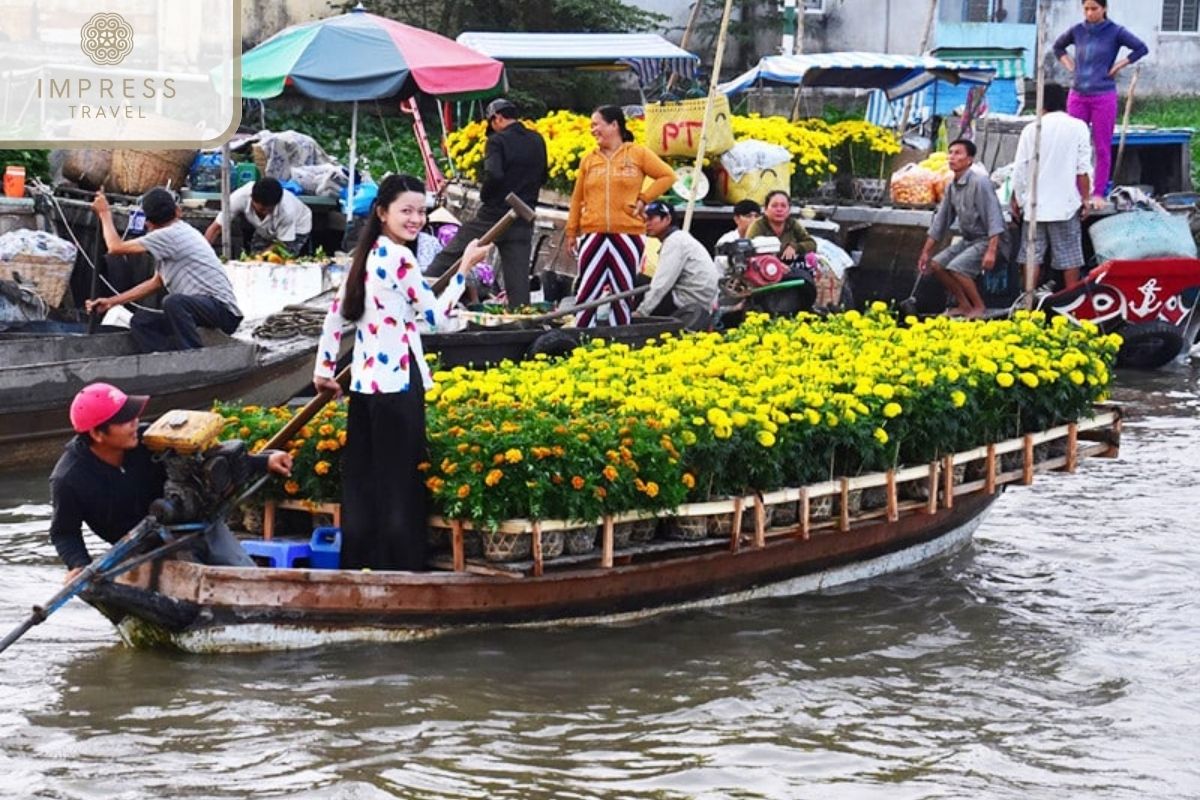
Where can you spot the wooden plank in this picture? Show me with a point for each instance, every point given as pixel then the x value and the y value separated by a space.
pixel 760 522
pixel 735 535
pixel 931 506
pixel 606 544
pixel 893 511
pixel 268 519
pixel 844 516
pixel 805 508
pixel 1027 470
pixel 457 549
pixel 948 481
pixel 538 566
pixel 1072 446
pixel 989 481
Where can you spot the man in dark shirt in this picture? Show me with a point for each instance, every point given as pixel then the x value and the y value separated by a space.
pixel 108 479
pixel 514 161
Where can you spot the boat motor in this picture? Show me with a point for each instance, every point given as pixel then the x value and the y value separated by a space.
pixel 756 275
pixel 201 471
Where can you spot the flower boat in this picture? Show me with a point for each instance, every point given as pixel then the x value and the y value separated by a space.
pixel 783 457
pixel 199 608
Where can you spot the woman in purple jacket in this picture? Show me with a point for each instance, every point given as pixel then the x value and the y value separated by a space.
pixel 1093 99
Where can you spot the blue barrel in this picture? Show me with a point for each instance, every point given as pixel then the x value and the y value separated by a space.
pixel 326 548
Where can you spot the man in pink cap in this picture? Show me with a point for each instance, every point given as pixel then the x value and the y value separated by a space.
pixel 108 479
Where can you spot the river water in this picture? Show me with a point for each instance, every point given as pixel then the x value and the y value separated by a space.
pixel 1058 657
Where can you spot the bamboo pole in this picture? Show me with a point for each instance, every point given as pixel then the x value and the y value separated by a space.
pixel 687 37
pixel 1124 130
pixel 708 104
pixel 926 35
pixel 1031 255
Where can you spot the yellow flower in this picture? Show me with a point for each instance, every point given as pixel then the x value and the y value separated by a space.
pixel 1005 379
pixel 766 438
pixel 892 410
pixel 321 468
pixel 880 435
pixel 958 398
pixel 1029 379
pixel 610 472
pixel 493 477
pixel 689 480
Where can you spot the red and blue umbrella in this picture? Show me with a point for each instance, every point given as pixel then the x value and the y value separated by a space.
pixel 363 56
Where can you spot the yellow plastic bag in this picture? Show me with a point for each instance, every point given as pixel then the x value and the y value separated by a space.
pixel 754 185
pixel 913 185
pixel 673 129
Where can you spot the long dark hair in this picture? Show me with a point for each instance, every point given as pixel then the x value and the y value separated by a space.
pixel 611 114
pixel 356 279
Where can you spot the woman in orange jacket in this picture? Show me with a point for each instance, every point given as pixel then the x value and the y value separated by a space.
pixel 607 209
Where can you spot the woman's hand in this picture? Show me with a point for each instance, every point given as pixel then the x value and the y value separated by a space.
pixel 473 253
pixel 1067 62
pixel 639 208
pixel 279 463
pixel 572 243
pixel 788 253
pixel 323 384
pixel 1117 67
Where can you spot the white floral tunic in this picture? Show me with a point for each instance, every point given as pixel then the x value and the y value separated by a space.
pixel 386 336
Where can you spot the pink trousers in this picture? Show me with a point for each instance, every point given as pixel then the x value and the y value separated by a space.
pixel 1100 112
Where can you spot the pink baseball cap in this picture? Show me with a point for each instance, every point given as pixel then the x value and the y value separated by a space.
pixel 98 403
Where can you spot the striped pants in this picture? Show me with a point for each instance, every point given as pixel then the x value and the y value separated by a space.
pixel 607 265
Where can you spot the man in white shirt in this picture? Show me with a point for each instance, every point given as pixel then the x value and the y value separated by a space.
pixel 1063 181
pixel 276 217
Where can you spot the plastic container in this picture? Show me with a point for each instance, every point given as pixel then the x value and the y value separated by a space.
pixel 14 181
pixel 325 548
pixel 244 173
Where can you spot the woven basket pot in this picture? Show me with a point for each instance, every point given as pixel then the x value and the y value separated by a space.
pixel 501 546
pixel 87 169
pixel 137 171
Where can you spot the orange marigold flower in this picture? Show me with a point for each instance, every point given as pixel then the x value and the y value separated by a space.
pixel 498 458
pixel 477 467
pixel 435 484
pixel 463 491
pixel 651 489
pixel 423 466
pixel 493 477
pixel 610 472
pixel 577 482
pixel 321 468
pixel 513 455
pixel 689 480
pixel 291 487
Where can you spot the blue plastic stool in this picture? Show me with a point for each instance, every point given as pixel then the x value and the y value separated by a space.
pixel 326 548
pixel 278 552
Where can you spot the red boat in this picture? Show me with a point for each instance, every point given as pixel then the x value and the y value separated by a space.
pixel 1150 302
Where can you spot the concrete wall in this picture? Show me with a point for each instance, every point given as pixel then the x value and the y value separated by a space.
pixel 263 18
pixel 895 26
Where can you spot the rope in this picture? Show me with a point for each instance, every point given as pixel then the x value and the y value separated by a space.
pixel 387 138
pixel 291 321
pixel 46 192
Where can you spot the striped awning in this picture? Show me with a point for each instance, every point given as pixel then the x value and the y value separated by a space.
pixel 1009 62
pixel 647 54
pixel 897 76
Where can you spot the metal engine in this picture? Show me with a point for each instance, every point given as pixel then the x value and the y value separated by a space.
pixel 201 472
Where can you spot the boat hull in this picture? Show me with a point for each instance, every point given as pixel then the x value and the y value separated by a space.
pixel 198 608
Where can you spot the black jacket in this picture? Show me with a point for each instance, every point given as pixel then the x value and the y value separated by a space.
pixel 514 161
pixel 110 500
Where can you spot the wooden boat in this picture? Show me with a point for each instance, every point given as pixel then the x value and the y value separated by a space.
pixel 927 511
pixel 42 367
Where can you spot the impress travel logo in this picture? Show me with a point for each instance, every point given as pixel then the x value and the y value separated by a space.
pixel 121 73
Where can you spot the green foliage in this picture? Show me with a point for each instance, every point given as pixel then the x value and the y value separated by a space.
pixel 450 17
pixel 1172 112
pixel 34 161
pixel 331 129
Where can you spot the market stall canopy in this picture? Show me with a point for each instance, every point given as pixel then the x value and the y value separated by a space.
pixel 362 56
pixel 647 54
pixel 897 76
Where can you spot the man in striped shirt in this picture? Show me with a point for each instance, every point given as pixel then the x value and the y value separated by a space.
pixel 199 294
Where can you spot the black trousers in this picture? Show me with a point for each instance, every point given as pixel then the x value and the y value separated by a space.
pixel 385 509
pixel 176 328
pixel 515 246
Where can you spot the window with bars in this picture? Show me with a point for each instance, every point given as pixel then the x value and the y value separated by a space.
pixel 1022 11
pixel 1181 16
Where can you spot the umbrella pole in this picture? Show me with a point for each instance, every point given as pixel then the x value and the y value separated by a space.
pixel 708 104
pixel 1031 255
pixel 227 232
pixel 353 163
